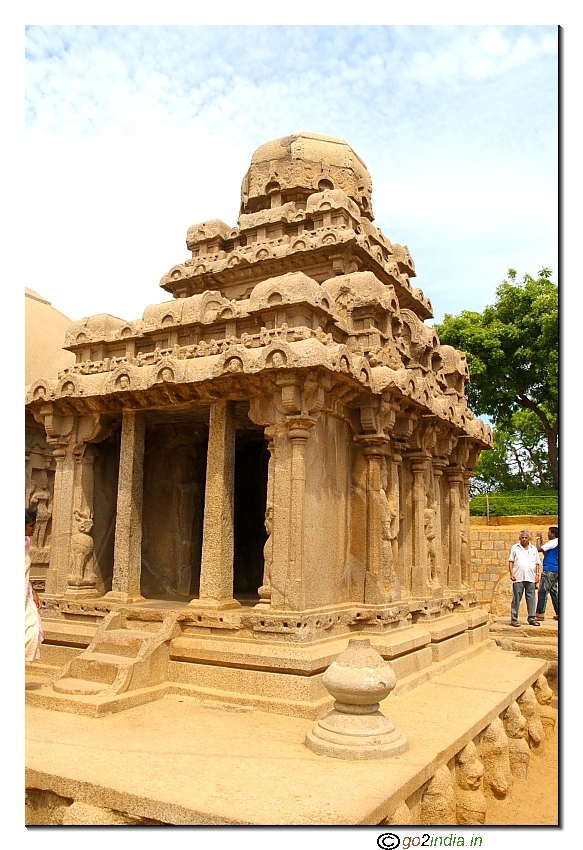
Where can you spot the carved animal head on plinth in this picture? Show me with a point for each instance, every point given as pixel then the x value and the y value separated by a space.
pixel 83 520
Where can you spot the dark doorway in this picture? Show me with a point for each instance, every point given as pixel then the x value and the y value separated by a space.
pixel 173 507
pixel 251 465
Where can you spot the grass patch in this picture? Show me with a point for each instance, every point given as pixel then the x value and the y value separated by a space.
pixel 517 503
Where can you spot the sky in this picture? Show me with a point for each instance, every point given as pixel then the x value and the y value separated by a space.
pixel 133 133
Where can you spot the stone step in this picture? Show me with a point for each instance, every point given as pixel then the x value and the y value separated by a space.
pixel 91 704
pixel 83 687
pixel 124 642
pixel 98 667
pixel 68 633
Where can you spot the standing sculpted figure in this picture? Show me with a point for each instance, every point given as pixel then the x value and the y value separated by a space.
pixel 388 535
pixel 429 522
pixel 40 501
pixel 265 589
pixel 82 572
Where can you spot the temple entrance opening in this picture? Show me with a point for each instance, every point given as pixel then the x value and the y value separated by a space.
pixel 251 464
pixel 174 483
pixel 175 455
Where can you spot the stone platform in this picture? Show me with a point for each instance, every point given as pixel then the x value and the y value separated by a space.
pixel 182 760
pixel 535 642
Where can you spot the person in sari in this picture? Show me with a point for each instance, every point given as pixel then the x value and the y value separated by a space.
pixel 33 631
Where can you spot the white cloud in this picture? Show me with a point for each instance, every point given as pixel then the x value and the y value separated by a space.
pixel 137 132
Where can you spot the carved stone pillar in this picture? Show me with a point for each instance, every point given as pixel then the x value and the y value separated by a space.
pixel 438 467
pixel 389 530
pixel 396 462
pixel 82 580
pixel 64 434
pixel 28 485
pixel 216 571
pixel 454 480
pixel 465 533
pixel 374 451
pixel 420 577
pixel 295 586
pixel 127 556
pixel 265 589
pixel 63 496
pixel 401 435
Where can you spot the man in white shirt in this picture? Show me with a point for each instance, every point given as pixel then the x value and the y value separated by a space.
pixel 524 568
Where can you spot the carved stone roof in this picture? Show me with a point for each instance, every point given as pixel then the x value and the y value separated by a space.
pixel 305 162
pixel 305 282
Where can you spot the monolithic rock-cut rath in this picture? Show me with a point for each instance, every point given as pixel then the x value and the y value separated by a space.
pixel 270 463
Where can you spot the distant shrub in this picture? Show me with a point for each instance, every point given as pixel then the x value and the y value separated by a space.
pixel 517 503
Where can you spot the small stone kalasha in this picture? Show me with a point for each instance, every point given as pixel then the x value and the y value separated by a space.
pixel 355 728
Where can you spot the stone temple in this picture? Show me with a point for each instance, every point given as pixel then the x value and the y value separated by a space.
pixel 271 462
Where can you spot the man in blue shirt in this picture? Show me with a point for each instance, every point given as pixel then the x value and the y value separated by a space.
pixel 550 577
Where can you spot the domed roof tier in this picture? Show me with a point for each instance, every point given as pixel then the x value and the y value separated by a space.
pixel 45 333
pixel 294 167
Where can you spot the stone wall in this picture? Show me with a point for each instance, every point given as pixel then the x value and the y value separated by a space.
pixel 490 545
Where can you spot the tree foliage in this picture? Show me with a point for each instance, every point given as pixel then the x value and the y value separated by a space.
pixel 512 349
pixel 519 459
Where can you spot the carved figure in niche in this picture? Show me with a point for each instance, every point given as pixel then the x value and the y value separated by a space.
pixel 39 393
pixel 81 559
pixel 41 501
pixel 544 696
pixel 123 382
pixel 518 749
pixel 438 805
pixel 495 755
pixel 166 375
pixel 429 524
pixel 389 531
pixel 470 799
pixel 534 733
pixel 277 359
pixel 234 365
pixel 68 389
pixel 265 589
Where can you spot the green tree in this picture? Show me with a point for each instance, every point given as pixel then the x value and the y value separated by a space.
pixel 513 356
pixel 519 459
